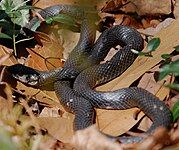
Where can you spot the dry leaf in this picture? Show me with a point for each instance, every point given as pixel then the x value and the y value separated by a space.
pixel 58 127
pixel 91 139
pixel 111 5
pixel 6 51
pixel 70 40
pixel 156 141
pixel 154 30
pixel 175 136
pixel 48 56
pixel 157 88
pixel 176 8
pixel 141 7
pixel 5 97
pixel 148 7
pixel 49 143
pixel 3 58
pixel 47 3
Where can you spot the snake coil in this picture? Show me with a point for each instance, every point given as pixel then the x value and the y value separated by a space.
pixel 83 66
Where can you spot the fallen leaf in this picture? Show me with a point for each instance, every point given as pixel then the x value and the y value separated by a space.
pixel 176 8
pixel 47 3
pixel 58 127
pixel 48 56
pixel 148 7
pixel 154 30
pixel 91 139
pixel 70 40
pixel 50 112
pixel 5 97
pixel 116 122
pixel 7 51
pixel 3 58
pixel 111 5
pixel 47 142
pixel 175 136
pixel 148 83
pixel 157 140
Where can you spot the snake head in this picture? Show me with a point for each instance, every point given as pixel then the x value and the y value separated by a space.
pixel 24 74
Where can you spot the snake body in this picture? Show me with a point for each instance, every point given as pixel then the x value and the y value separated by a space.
pixel 84 68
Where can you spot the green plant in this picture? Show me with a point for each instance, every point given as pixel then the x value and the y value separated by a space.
pixel 172 69
pixel 14 15
pixel 175 111
pixel 151 46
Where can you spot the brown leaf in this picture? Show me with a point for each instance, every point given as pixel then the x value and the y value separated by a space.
pixel 47 57
pixel 58 127
pixel 49 143
pixel 176 8
pixel 70 40
pixel 175 136
pixel 157 88
pixel 159 138
pixel 154 30
pixel 148 7
pixel 116 122
pixel 111 5
pixel 46 3
pixel 3 58
pixel 92 139
pixel 7 51
pixel 6 101
pixel 50 112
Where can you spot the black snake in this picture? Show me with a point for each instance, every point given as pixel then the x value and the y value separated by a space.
pixel 74 83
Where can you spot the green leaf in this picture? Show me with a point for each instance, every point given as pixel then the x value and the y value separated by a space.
pixel 6 24
pixel 175 111
pixel 6 5
pixel 4 36
pixel 166 56
pixel 153 44
pixel 27 7
pixel 177 48
pixel 173 68
pixel 173 86
pixel 10 7
pixel 147 54
pixel 62 18
pixel 49 20
pixel 3 14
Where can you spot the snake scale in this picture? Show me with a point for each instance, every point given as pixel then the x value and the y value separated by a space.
pixel 74 83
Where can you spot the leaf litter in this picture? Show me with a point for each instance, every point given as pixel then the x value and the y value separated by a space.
pixel 58 123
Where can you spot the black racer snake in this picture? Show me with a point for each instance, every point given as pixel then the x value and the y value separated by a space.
pixel 74 83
